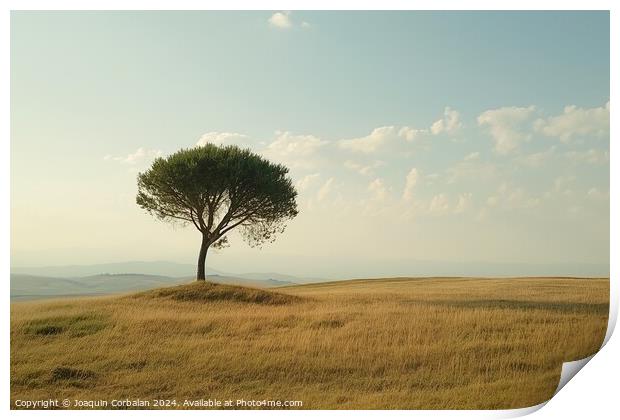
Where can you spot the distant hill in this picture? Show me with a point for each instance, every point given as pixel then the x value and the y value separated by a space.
pixel 149 268
pixel 277 278
pixel 26 286
pixel 154 268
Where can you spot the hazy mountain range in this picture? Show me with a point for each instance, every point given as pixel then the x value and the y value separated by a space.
pixel 102 279
pixel 97 279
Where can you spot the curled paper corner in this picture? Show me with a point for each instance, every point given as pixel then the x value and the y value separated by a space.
pixel 569 370
pixel 612 317
pixel 519 412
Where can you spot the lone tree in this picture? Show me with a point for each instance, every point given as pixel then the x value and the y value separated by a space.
pixel 217 189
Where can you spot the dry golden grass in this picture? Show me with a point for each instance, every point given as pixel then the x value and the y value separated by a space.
pixel 392 343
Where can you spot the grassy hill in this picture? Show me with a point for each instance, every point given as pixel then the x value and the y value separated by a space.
pixel 389 343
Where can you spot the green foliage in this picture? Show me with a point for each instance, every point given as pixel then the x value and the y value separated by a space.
pixel 217 189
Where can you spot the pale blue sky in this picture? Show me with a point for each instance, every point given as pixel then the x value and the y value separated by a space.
pixel 475 102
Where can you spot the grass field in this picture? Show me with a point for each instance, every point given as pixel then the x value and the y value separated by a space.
pixel 388 343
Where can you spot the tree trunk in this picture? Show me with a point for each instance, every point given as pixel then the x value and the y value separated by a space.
pixel 202 257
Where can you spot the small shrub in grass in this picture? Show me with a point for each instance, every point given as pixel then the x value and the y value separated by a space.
pixel 64 373
pixel 75 326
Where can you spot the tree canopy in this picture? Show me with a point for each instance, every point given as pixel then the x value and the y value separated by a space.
pixel 217 189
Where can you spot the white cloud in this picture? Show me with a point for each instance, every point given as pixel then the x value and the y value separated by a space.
pixel 306 182
pixel 378 190
pixel 592 156
pixel 472 156
pixel 371 142
pixel 464 203
pixel 219 139
pixel 410 183
pixel 505 126
pixel 511 198
pixel 141 155
pixel 449 123
pixel 492 201
pixel 300 145
pixel 299 151
pixel 563 185
pixel 576 122
pixel 536 159
pixel 439 204
pixel 596 194
pixel 361 168
pixel 281 20
pixel 325 190
pixel 519 198
pixel 470 169
pixel 409 133
pixel 431 178
pixel 379 137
